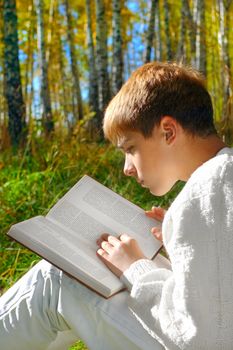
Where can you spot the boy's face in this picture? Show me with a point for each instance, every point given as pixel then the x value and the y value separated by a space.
pixel 150 160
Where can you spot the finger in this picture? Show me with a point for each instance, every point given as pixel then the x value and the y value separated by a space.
pixel 102 253
pixel 103 237
pixel 153 215
pixel 159 236
pixel 124 237
pixel 114 241
pixel 149 213
pixel 157 232
pixel 104 256
pixel 156 213
pixel 106 246
pixel 106 260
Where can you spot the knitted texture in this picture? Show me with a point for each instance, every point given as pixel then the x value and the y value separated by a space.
pixel 191 307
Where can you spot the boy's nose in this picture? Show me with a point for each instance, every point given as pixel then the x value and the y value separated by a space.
pixel 129 168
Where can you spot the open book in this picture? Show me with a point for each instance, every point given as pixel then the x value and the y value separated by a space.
pixel 67 235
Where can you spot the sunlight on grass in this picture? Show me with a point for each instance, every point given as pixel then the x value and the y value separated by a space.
pixel 32 182
pixel 79 346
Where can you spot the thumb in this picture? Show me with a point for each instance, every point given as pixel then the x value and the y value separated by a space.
pixel 157 232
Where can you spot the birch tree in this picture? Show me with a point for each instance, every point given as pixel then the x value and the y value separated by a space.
pixel 64 95
pixel 4 135
pixel 47 117
pixel 78 108
pixel 28 86
pixel 167 31
pixel 117 66
pixel 199 18
pixel 150 31
pixel 224 47
pixel 158 41
pixel 93 81
pixel 227 112
pixel 180 53
pixel 102 56
pixel 13 86
pixel 52 7
pixel 191 29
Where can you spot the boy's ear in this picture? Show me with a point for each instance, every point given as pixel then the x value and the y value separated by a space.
pixel 168 135
pixel 168 127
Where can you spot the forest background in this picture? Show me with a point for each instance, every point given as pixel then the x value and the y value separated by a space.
pixel 61 61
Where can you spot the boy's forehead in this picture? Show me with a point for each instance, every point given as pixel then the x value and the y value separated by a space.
pixel 128 137
pixel 123 139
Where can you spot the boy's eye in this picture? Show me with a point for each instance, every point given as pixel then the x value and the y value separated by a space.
pixel 129 150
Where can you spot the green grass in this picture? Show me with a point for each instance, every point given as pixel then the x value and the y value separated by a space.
pixel 32 181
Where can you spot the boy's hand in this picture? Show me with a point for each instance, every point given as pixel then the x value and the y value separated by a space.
pixel 118 253
pixel 158 214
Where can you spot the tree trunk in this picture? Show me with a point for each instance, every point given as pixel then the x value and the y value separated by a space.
pixel 224 48
pixel 52 7
pixel 191 28
pixel 158 41
pixel 117 68
pixel 47 118
pixel 4 134
pixel 13 88
pixel 200 36
pixel 229 17
pixel 29 60
pixel 74 66
pixel 30 99
pixel 102 57
pixel 180 53
pixel 150 31
pixel 167 31
pixel 202 66
pixel 93 82
pixel 64 95
pixel 213 78
pixel 227 111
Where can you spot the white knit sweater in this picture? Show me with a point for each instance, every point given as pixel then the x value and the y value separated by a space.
pixel 191 306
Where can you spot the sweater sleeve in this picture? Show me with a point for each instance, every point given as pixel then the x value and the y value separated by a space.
pixel 145 280
pixel 141 267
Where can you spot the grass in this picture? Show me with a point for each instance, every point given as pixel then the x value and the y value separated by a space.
pixel 31 181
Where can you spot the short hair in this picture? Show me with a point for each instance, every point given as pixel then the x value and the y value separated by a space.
pixel 155 90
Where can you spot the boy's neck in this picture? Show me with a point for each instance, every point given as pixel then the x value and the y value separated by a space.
pixel 197 151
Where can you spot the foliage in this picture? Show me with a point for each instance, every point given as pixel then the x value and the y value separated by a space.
pixel 78 346
pixel 32 179
pixel 215 29
pixel 31 184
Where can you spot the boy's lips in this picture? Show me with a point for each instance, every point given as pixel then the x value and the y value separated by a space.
pixel 141 182
pixel 143 185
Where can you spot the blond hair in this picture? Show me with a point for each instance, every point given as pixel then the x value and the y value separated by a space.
pixel 157 89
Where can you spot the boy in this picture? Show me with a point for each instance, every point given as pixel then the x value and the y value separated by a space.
pixel 162 118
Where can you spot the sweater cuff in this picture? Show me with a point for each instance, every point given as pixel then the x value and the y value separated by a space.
pixel 137 269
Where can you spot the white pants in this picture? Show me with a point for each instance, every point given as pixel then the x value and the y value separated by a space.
pixel 46 309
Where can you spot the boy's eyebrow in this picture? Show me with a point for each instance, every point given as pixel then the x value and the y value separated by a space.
pixel 122 143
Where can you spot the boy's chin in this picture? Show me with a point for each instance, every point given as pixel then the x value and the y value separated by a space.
pixel 159 192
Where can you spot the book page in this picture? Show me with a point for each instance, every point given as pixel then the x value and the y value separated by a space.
pixel 67 252
pixel 90 209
